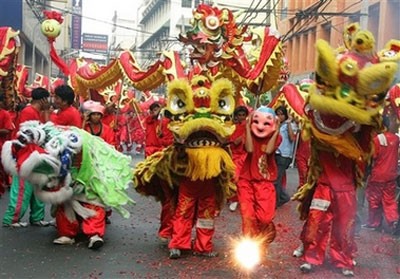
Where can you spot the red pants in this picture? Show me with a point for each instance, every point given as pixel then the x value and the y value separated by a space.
pixel 257 206
pixel 381 198
pixel 302 168
pixel 196 206
pixel 167 212
pixel 332 217
pixel 90 226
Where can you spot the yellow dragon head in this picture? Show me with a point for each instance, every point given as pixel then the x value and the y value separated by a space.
pixel 201 111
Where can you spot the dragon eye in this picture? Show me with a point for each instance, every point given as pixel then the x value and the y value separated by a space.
pixel 222 103
pixel 212 22
pixel 180 104
pixel 177 105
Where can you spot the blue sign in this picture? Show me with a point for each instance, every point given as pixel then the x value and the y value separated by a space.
pixel 76 28
pixel 11 13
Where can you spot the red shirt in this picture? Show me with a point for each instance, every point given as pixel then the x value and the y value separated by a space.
pixel 259 165
pixel 5 123
pixel 109 120
pixel 385 158
pixel 166 137
pixel 69 116
pixel 338 171
pixel 238 149
pixel 103 131
pixel 152 126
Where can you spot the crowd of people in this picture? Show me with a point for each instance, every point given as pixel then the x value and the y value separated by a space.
pixel 265 144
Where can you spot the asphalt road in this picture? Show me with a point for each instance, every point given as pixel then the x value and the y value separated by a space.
pixel 131 250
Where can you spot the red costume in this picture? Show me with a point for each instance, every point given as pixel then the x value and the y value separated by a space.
pixel 238 151
pixel 302 156
pixel 69 116
pixel 328 219
pixel 256 190
pixel 5 124
pixel 152 142
pixel 381 187
pixel 196 206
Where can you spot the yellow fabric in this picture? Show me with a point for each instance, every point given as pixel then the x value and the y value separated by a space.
pixel 344 144
pixel 208 162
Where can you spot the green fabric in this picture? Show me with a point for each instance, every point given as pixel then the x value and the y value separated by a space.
pixel 15 211
pixel 105 172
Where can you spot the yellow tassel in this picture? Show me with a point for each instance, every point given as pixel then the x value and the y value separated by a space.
pixel 208 162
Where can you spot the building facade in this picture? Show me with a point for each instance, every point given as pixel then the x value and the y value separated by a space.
pixel 303 22
pixel 26 17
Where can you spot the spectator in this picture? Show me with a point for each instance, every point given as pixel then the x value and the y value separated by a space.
pixel 237 147
pixel 21 192
pixel 284 153
pixel 6 127
pixel 381 184
pixel 66 114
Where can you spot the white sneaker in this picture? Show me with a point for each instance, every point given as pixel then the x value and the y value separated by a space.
pixel 41 223
pixel 16 225
pixel 64 240
pixel 299 251
pixel 347 272
pixel 233 206
pixel 306 267
pixel 95 242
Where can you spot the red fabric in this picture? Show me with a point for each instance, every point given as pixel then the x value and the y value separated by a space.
pixel 338 171
pixel 152 142
pixel 303 154
pixel 381 198
pixel 28 113
pixel 67 117
pixel 90 226
pixel 336 225
pixel 6 124
pixel 196 205
pixel 25 152
pixel 107 134
pixel 385 159
pixel 109 119
pixel 238 150
pixel 166 137
pixel 259 161
pixel 60 63
pixel 257 207
pixel 167 212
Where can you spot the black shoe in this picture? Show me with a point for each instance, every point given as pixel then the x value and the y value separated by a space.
pixel 211 254
pixel 174 254
pixel 369 227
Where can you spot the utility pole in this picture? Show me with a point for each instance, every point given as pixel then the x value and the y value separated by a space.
pixel 364 15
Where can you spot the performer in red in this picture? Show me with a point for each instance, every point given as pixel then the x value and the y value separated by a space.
pixel 21 192
pixel 152 123
pixel 6 127
pixel 93 124
pixel 237 147
pixel 66 114
pixel 256 191
pixel 302 157
pixel 158 136
pixel 381 185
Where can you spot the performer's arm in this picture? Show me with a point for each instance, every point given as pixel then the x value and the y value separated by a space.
pixel 248 144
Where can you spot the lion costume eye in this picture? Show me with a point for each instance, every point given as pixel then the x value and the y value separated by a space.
pixel 225 104
pixel 177 105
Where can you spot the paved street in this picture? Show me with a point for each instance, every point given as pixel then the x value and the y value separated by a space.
pixel 131 250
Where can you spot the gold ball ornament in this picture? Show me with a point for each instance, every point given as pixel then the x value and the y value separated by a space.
pixel 51 28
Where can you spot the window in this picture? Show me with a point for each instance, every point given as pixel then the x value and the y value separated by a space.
pixel 186 3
